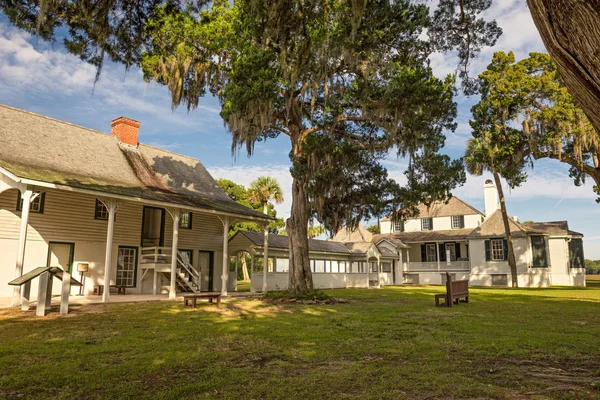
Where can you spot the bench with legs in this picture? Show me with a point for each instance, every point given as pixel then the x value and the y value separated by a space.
pixel 455 290
pixel 190 300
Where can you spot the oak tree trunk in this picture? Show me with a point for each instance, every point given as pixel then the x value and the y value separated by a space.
pixel 512 262
pixel 570 30
pixel 299 276
pixel 245 268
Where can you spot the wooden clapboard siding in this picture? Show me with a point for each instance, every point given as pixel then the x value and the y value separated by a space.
pixel 206 233
pixel 69 216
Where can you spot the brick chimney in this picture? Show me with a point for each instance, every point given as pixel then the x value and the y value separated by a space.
pixel 126 130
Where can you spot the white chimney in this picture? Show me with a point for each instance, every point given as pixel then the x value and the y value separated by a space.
pixel 515 218
pixel 490 196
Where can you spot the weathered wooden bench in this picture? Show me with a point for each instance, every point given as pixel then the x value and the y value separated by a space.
pixel 455 290
pixel 190 300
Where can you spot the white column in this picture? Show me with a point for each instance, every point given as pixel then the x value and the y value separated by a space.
pixel 111 206
pixel 265 257
pixel 378 269
pixel 225 273
pixel 173 287
pixel 237 263
pixel 16 300
pixel 368 274
pixel 64 295
pixel 437 252
pixel 251 272
pixel 154 282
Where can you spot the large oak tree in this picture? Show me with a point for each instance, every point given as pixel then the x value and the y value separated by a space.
pixel 345 81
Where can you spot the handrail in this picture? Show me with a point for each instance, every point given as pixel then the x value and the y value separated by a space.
pixel 181 261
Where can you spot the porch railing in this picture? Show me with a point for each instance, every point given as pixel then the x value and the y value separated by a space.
pixel 155 255
pixel 439 266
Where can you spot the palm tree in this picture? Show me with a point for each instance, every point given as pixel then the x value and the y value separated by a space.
pixel 263 190
pixel 482 156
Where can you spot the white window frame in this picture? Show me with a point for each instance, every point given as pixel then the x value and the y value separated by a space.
pixel 185 220
pixel 429 224
pixel 283 264
pixel 431 252
pixel 496 245
pixel 126 266
pixel 399 226
pixel 452 248
pixel 456 221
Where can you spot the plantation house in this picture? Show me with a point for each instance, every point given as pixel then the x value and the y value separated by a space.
pixel 118 214
pixel 447 236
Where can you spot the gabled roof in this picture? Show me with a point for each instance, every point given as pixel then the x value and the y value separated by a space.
pixel 426 236
pixel 43 149
pixel 494 226
pixel 282 242
pixel 394 241
pixel 360 234
pixel 452 206
pixel 553 228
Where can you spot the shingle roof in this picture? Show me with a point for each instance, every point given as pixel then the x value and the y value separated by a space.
pixel 47 150
pixel 282 242
pixel 494 226
pixel 359 247
pixel 361 234
pixel 553 228
pixel 426 236
pixel 453 206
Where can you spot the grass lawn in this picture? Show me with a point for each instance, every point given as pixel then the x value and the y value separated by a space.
pixel 389 343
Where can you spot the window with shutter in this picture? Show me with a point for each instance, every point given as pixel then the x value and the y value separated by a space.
pixel 426 224
pixel 497 250
pixel 576 253
pixel 458 221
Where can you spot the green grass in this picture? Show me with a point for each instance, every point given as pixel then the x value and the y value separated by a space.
pixel 243 286
pixel 389 343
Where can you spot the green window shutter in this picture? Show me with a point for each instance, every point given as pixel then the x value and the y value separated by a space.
pixel 430 224
pixel 462 225
pixel 505 246
pixel 423 253
pixel 547 247
pixel 488 255
pixel 442 249
pixel 457 250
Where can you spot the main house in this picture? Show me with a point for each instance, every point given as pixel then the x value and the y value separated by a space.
pixel 116 213
pixel 449 236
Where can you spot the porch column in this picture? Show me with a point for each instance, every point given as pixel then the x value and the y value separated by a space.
pixel 251 272
pixel 368 274
pixel 378 270
pixel 225 274
pixel 437 252
pixel 266 258
pixel 26 196
pixel 111 206
pixel 237 264
pixel 176 214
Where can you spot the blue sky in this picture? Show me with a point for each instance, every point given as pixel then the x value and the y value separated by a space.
pixel 41 77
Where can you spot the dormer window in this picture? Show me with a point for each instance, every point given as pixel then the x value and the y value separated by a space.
pixel 458 221
pixel 399 226
pixel 426 224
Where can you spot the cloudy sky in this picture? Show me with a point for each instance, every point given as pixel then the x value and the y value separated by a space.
pixel 43 78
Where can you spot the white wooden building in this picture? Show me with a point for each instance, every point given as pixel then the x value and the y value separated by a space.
pixel 135 216
pixel 454 237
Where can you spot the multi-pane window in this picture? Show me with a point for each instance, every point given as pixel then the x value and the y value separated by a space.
pixel 342 265
pixel 497 250
pixel 36 205
pixel 457 221
pixel 576 257
pixel 186 256
pixel 450 252
pixel 283 265
pixel 374 267
pixel 426 224
pixel 126 265
pixel 101 210
pixel 185 220
pixel 431 255
pixel 399 226
pixel 386 267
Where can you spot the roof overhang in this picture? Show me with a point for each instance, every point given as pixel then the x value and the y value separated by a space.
pixel 21 183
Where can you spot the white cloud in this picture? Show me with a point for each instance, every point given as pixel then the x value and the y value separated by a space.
pixel 50 73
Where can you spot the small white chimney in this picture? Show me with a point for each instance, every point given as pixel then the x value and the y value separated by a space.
pixel 515 218
pixel 490 196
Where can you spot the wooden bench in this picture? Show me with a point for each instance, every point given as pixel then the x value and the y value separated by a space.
pixel 193 298
pixel 455 290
